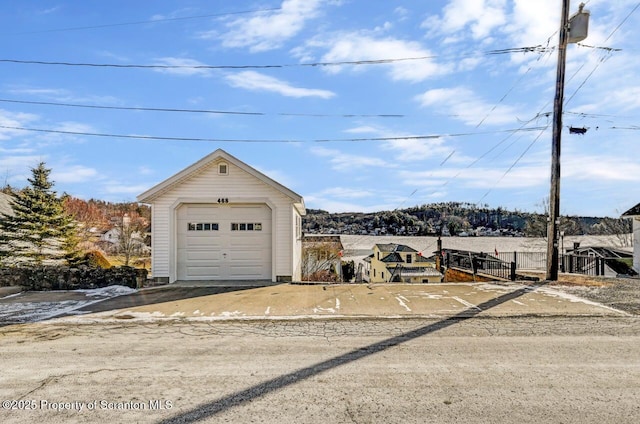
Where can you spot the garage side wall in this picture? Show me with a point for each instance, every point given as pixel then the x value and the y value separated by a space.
pixel 297 244
pixel 237 187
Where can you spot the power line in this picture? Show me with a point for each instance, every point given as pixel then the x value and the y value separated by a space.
pixel 623 21
pixel 535 140
pixel 208 111
pixel 231 140
pixel 607 50
pixel 151 21
pixel 267 66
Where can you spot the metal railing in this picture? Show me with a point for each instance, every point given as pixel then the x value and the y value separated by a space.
pixel 573 264
pixel 504 265
pixel 525 261
pixel 482 263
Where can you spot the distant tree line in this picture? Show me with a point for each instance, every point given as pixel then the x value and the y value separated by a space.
pixel 455 218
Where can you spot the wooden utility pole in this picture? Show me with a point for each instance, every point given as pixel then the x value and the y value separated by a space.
pixel 554 196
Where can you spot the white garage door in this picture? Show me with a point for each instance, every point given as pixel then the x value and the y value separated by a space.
pixel 224 242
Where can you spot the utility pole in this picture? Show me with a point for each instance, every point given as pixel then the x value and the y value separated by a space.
pixel 578 34
pixel 554 196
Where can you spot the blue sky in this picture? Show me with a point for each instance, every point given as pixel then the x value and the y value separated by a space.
pixel 325 131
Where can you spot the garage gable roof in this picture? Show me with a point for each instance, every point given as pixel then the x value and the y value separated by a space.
pixel 153 193
pixel 634 211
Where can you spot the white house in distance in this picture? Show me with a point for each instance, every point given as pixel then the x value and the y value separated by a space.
pixel 634 214
pixel 220 219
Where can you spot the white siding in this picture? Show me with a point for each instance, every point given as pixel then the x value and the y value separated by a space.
pixel 208 186
pixel 636 243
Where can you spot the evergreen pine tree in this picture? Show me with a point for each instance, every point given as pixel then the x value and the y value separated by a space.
pixel 39 229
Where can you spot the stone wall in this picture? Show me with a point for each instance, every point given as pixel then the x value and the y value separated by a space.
pixel 67 278
pixel 456 275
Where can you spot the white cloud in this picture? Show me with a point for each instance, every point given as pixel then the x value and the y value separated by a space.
pixel 480 17
pixel 406 149
pixel 364 129
pixel 13 119
pixel 145 170
pixel 481 178
pixel 360 46
pixel 62 95
pixel 346 193
pixel 255 81
pixel 116 187
pixel 44 92
pixel 600 168
pixel 74 127
pixel 466 106
pixel 184 66
pixel 268 31
pixel 19 163
pixel 533 23
pixel 74 174
pixel 342 161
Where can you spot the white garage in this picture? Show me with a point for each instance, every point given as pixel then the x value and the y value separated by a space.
pixel 220 219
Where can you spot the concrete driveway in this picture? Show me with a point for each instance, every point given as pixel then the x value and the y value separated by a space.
pixel 291 301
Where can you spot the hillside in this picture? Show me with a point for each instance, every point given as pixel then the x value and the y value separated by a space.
pixel 455 218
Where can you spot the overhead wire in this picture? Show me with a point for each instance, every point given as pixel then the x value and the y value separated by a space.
pixel 231 140
pixel 266 66
pixel 609 51
pixel 206 111
pixel 478 159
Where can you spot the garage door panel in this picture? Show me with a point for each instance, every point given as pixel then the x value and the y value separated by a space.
pixel 202 272
pixel 245 274
pixel 203 255
pixel 204 243
pixel 238 248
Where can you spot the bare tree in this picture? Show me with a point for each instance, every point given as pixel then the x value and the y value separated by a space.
pixel 320 261
pixel 130 236
pixel 618 227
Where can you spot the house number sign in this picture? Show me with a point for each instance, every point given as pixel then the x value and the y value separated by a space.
pixel 223 200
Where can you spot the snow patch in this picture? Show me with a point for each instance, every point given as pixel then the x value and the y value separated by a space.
pixel 227 314
pixel 23 312
pixel 109 291
pixel 465 303
pixel 401 300
pixel 318 310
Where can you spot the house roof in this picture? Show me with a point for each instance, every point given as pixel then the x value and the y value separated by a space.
pixel 393 247
pixel 392 257
pixel 396 257
pixel 154 192
pixel 603 252
pixel 634 211
pixel 5 205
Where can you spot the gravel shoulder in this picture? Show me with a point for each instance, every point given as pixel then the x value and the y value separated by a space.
pixel 618 293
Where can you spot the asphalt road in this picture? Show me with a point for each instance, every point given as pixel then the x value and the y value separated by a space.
pixel 458 370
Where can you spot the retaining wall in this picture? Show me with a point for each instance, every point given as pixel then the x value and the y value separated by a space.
pixel 67 278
